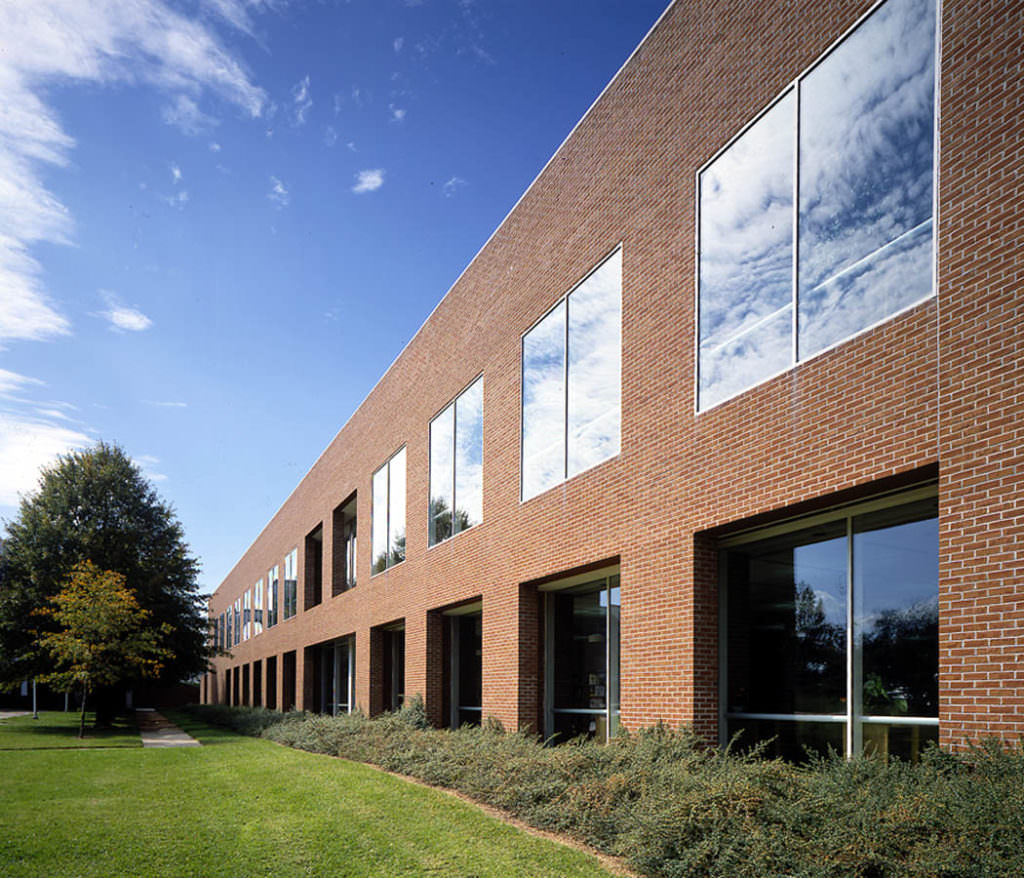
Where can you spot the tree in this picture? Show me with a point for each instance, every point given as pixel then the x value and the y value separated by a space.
pixel 95 505
pixel 103 637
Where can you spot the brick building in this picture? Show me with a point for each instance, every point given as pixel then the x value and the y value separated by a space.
pixel 722 426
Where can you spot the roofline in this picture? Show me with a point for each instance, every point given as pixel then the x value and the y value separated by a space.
pixel 454 284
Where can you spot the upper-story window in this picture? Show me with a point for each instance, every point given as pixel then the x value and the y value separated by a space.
pixel 247 614
pixel 388 514
pixel 291 583
pixel 571 382
pixel 456 465
pixel 816 222
pixel 273 576
pixel 257 608
pixel 238 621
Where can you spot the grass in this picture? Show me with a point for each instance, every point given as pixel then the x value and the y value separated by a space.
pixel 55 730
pixel 245 806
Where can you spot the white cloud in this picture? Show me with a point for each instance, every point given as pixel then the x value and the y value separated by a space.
pixel 330 135
pixel 351 146
pixel 122 317
pixel 28 444
pixel 148 463
pixel 452 185
pixel 397 113
pixel 64 42
pixel 236 12
pixel 178 200
pixel 55 414
pixel 278 193
pixel 12 382
pixel 167 405
pixel 398 43
pixel 303 102
pixel 369 180
pixel 184 114
pixel 214 147
pixel 176 173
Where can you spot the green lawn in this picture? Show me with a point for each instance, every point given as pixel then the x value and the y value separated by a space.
pixel 55 730
pixel 246 807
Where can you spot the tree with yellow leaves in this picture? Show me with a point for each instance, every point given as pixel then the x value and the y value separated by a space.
pixel 103 635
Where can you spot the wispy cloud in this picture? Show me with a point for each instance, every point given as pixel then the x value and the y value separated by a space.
pixel 148 464
pixel 302 99
pixel 167 405
pixel 236 12
pixel 369 180
pixel 175 173
pixel 184 114
pixel 27 444
pixel 177 200
pixel 123 318
pixel 215 147
pixel 397 113
pixel 147 42
pixel 278 193
pixel 398 43
pixel 12 382
pixel 452 185
pixel 330 135
pixel 55 414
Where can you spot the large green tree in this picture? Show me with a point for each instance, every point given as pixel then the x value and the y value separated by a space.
pixel 96 505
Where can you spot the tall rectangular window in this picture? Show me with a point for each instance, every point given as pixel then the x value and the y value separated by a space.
pixel 273 575
pixel 571 392
pixel 832 630
pixel 343 547
pixel 247 614
pixel 291 583
pixel 581 658
pixel 238 621
pixel 816 222
pixel 388 514
pixel 257 608
pixel 456 465
pixel 228 629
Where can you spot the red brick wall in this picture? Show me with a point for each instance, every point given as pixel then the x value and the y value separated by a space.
pixel 981 399
pixel 936 386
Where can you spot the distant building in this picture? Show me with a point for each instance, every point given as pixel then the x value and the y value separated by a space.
pixel 723 425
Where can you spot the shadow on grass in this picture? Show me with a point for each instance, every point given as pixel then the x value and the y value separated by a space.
pixel 207 735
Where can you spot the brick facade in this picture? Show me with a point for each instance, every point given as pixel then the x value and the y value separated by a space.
pixel 933 393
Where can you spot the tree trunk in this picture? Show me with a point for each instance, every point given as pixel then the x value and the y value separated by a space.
pixel 81 725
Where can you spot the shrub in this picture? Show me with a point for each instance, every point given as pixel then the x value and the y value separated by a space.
pixel 674 807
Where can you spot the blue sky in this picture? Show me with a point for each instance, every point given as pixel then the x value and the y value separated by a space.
pixel 221 220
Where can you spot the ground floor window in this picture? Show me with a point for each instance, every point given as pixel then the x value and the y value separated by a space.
pixel 830 630
pixel 581 656
pixel 338 675
pixel 394 667
pixel 465 665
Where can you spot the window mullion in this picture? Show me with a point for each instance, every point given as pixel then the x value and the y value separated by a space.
pixel 565 396
pixel 455 445
pixel 852 654
pixel 796 221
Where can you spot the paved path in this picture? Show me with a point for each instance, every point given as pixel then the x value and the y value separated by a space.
pixel 158 731
pixel 8 714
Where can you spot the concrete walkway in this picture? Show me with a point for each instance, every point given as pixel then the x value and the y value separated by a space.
pixel 158 731
pixel 8 714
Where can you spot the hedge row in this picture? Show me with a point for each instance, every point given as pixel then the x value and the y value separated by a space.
pixel 672 807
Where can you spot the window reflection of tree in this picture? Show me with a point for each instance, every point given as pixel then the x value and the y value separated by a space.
pixel 897 679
